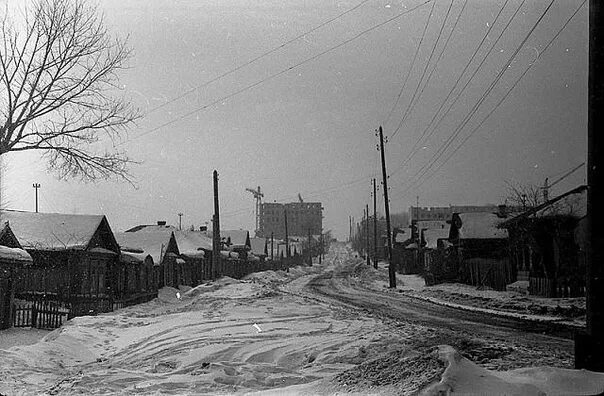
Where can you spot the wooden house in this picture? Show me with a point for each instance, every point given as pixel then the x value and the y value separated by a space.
pixel 195 249
pixel 73 258
pixel 482 249
pixel 236 241
pixel 547 248
pixel 161 245
pixel 12 260
pixel 135 278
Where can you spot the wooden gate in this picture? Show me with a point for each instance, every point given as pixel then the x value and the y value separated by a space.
pixel 40 314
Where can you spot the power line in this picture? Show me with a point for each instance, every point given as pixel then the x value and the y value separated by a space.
pixel 263 55
pixel 439 56
pixel 566 173
pixel 421 40
pixel 502 99
pixel 283 71
pixel 483 97
pixel 425 134
pixel 413 98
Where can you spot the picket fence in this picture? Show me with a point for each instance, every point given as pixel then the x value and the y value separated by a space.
pixel 46 315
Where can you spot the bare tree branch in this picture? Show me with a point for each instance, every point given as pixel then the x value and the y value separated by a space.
pixel 524 196
pixel 57 90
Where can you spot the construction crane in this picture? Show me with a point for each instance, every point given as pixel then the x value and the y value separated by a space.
pixel 258 195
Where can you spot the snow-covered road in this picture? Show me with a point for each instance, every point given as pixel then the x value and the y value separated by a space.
pixel 507 342
pixel 313 330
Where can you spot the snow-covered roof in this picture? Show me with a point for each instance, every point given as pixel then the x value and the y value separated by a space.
pixel 151 228
pixel 52 231
pixel 14 254
pixel 259 247
pixel 131 257
pixel 150 243
pixel 432 236
pixel 239 238
pixel 400 237
pixel 190 242
pixel 477 226
pixel 432 224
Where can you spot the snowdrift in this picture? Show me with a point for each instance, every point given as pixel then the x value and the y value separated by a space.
pixel 463 377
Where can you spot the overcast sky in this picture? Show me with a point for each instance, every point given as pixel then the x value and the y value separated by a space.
pixel 311 129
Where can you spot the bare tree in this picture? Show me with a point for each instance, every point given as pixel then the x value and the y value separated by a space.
pixel 524 196
pixel 58 81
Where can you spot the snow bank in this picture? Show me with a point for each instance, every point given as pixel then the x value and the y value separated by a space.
pixel 267 276
pixel 463 377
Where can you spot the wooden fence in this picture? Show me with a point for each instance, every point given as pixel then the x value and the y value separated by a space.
pixel 560 287
pixel 493 273
pixel 49 310
pixel 40 314
pixel 133 300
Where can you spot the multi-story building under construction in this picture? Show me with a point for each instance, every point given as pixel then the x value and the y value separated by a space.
pixel 302 217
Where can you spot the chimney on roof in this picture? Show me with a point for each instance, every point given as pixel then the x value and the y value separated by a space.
pixel 161 222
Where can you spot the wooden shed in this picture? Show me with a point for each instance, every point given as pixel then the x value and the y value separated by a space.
pixel 161 245
pixel 481 249
pixel 195 249
pixel 135 278
pixel 12 260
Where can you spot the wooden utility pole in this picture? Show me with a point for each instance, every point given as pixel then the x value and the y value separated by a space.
pixel 375 238
pixel 391 269
pixel 36 186
pixel 272 246
pixel 349 228
pixel 367 234
pixel 215 231
pixel 361 231
pixel 309 249
pixel 321 249
pixel 286 235
pixel 589 346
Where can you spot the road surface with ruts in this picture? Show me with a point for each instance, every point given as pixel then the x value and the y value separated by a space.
pixel 497 342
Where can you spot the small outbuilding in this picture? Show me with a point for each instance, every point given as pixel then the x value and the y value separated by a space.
pixel 12 259
pixel 161 245
pixel 481 248
pixel 195 248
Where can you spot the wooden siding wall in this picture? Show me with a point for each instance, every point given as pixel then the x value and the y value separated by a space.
pixel 6 296
pixel 97 284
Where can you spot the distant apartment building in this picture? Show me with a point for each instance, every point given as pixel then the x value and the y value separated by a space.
pixel 301 217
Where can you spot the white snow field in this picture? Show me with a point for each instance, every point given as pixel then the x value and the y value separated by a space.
pixel 261 335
